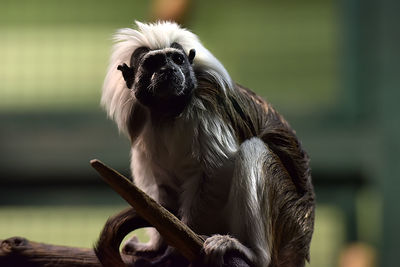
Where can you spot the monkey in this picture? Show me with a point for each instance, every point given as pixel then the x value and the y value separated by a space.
pixel 212 151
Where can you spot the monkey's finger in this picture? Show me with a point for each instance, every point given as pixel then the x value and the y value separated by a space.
pixel 122 67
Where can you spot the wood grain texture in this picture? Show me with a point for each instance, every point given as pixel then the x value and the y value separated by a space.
pixel 18 251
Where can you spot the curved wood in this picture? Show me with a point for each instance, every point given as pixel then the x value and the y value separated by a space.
pixel 18 251
pixel 177 234
pixel 174 232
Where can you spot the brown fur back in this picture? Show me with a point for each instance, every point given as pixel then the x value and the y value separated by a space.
pixel 287 170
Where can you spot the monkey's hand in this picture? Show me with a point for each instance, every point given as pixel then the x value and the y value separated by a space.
pixel 127 73
pixel 217 247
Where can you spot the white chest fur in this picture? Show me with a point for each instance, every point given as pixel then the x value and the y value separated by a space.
pixel 172 155
pixel 179 156
pixel 164 156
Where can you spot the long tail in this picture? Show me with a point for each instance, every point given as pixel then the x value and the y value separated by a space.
pixel 114 231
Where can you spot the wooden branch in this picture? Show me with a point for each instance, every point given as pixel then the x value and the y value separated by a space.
pixel 18 251
pixel 175 233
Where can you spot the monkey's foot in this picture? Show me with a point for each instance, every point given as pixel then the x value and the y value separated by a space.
pixel 136 248
pixel 216 247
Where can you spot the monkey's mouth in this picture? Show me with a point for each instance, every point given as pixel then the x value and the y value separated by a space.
pixel 165 94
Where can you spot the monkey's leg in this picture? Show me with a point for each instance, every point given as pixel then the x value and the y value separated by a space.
pixel 246 211
pixel 155 247
pixel 170 258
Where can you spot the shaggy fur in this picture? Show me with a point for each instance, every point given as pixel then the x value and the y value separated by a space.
pixel 228 164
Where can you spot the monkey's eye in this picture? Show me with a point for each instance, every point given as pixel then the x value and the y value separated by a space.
pixel 178 59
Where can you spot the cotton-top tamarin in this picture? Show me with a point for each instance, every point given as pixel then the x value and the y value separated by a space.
pixel 208 149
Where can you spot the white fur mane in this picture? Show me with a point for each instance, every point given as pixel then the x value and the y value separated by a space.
pixel 117 98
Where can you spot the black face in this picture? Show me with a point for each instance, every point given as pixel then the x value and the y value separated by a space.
pixel 162 80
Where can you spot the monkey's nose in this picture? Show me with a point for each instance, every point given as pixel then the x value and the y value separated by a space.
pixel 167 70
pixel 155 62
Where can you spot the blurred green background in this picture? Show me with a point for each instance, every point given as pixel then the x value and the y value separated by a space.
pixel 329 66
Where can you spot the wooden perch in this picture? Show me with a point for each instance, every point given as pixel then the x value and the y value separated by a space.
pixel 175 233
pixel 18 251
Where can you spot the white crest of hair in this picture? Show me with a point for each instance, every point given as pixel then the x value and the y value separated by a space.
pixel 117 99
